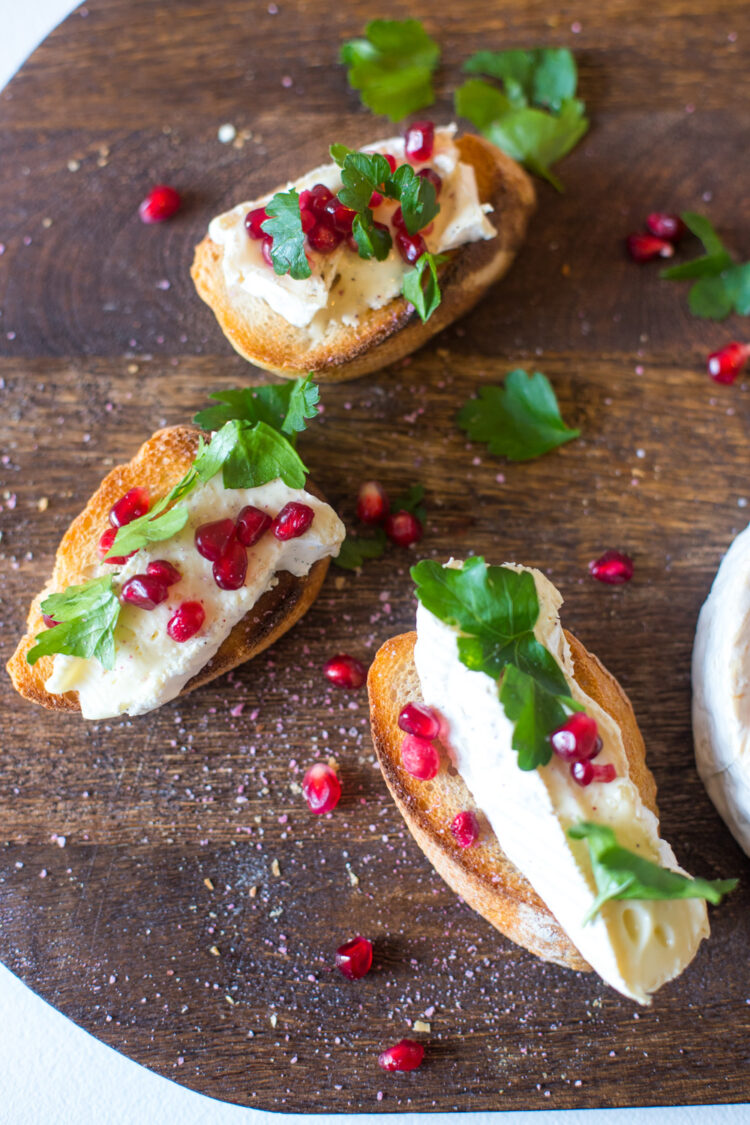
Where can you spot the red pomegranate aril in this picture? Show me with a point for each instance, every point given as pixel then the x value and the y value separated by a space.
pixel 308 221
pixel 613 567
pixel 645 247
pixel 345 671
pixel 253 221
pixel 585 772
pixel 164 571
pixel 49 621
pixel 105 544
pixel 354 958
pixel 375 200
pixel 315 199
pixel 403 529
pixel 372 502
pixel 397 218
pixel 576 739
pixel 392 162
pixel 411 246
pixel 324 239
pixel 420 141
pixel 431 175
pixel 186 621
pixel 251 525
pixel 419 719
pixel 230 570
pixel 725 365
pixel 341 217
pixel 292 521
pixel 465 829
pixel 265 249
pixel 161 203
pixel 321 788
pixel 663 225
pixel 352 243
pixel 212 539
pixel 419 757
pixel 134 504
pixel 407 1054
pixel 144 591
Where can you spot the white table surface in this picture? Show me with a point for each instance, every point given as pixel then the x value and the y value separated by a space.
pixel 52 1073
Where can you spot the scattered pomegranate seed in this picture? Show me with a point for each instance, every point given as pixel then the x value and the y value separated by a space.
pixel 161 203
pixel 134 504
pixel 411 247
pixel 465 829
pixel 321 788
pixel 420 141
pixel 407 1054
pixel 253 220
pixel 345 671
pixel 392 162
pixel 576 740
pixel 265 249
pixel 725 365
pixel 372 502
pixel 417 718
pixel 342 218
pixel 375 200
pixel 613 567
pixel 431 175
pixel 164 571
pixel 212 539
pixel 292 521
pixel 185 622
pixel 105 544
pixel 586 772
pixel 49 621
pixel 230 570
pixel 144 591
pixel 403 528
pixel 252 524
pixel 663 225
pixel 324 239
pixel 419 757
pixel 644 247
pixel 354 958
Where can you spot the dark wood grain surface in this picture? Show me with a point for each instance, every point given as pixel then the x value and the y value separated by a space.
pixel 137 885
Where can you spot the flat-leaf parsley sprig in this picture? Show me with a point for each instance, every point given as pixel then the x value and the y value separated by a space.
pixel 392 67
pixel 721 286
pixel 519 421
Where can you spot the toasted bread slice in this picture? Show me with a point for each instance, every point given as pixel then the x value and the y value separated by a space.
pixel 387 334
pixel 482 875
pixel 158 465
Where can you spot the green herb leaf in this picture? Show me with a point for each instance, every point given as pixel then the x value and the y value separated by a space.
pixel 339 153
pixel 286 407
pixel 362 173
pixel 481 103
pixel 621 874
pixel 722 287
pixel 535 713
pixel 539 139
pixel 412 501
pixel 284 225
pixel 372 241
pixel 519 421
pixel 159 523
pixel 421 287
pixel 257 455
pixel 545 77
pixel 715 259
pixel 355 550
pixel 392 67
pixel 87 616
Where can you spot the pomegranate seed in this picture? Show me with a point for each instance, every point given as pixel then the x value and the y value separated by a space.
pixel 308 221
pixel 419 757
pixel 586 772
pixel 725 365
pixel 465 829
pixel 372 502
pixel 644 247
pixel 431 175
pixel 230 570
pixel 321 788
pixel 397 218
pixel 134 504
pixel 407 1054
pixel 375 200
pixel 164 571
pixel 265 249
pixel 354 958
pixel 411 246
pixel 212 539
pixel 351 242
pixel 144 591
pixel 345 671
pixel 613 567
pixel 420 141
pixel 292 521
pixel 253 220
pixel 49 621
pixel 315 199
pixel 185 622
pixel 324 239
pixel 252 524
pixel 403 528
pixel 342 218
pixel 161 203
pixel 663 225
pixel 576 739
pixel 392 162
pixel 417 718
pixel 105 544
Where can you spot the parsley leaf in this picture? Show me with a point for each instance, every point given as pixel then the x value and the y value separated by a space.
pixel 519 421
pixel 285 406
pixel 161 522
pixel 362 173
pixel 258 454
pixel 392 67
pixel 546 76
pixel 622 874
pixel 284 225
pixel 355 549
pixel 372 241
pixel 535 713
pixel 715 259
pixel 86 616
pixel 721 287
pixel 420 285
pixel 412 501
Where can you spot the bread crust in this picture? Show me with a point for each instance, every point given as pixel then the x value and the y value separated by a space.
pixel 388 334
pixel 158 465
pixel 483 876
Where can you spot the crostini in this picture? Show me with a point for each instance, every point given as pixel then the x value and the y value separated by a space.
pixel 358 263
pixel 187 561
pixel 517 763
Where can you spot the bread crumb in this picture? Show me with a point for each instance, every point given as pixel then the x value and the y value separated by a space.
pixel 208 883
pixel 214 951
pixel 74 165
pixel 274 1019
pixel 132 369
pixel 226 133
pixel 42 504
pixel 275 869
pixel 253 892
pixel 420 1025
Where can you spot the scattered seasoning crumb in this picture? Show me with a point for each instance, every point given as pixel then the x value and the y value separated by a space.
pixel 214 951
pixel 132 369
pixel 207 883
pixel 275 869
pixel 274 1019
pixel 353 879
pixel 74 165
pixel 227 133
pixel 42 503
pixel 253 892
pixel 287 81
pixel 47 223
pixel 420 1025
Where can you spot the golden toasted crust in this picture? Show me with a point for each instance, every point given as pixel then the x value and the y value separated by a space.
pixel 158 465
pixel 394 331
pixel 483 875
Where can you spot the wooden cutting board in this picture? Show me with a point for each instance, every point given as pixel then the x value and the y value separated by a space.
pixel 137 884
